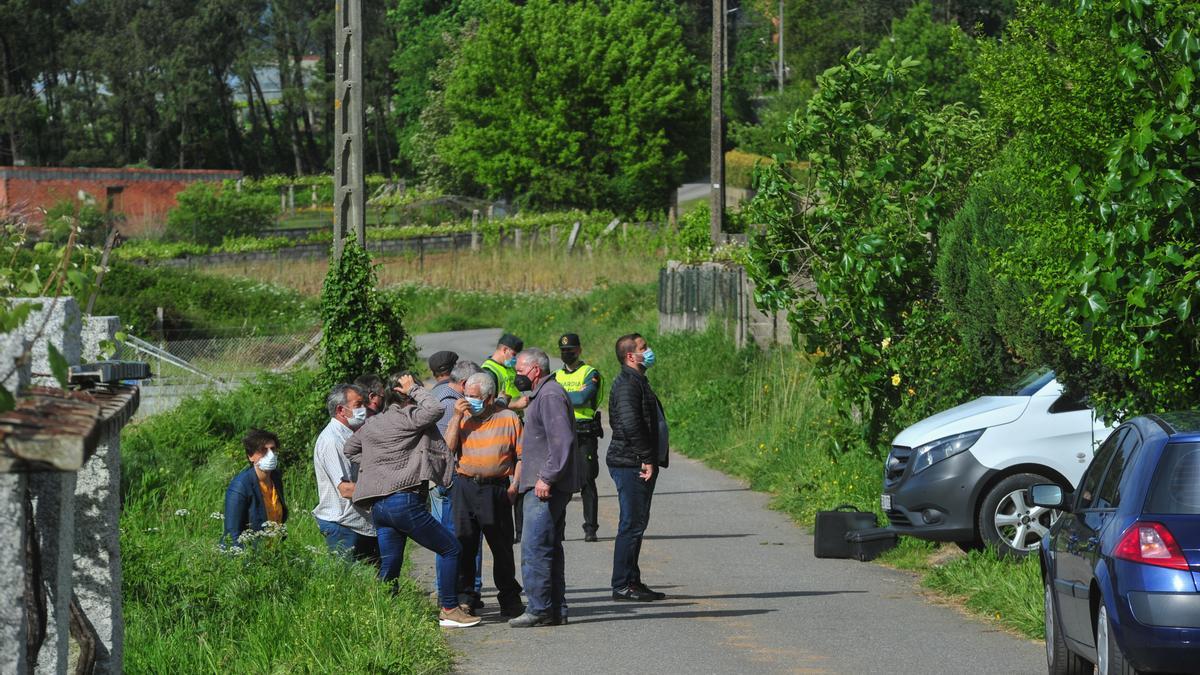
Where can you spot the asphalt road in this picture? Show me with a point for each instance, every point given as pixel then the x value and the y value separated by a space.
pixel 745 594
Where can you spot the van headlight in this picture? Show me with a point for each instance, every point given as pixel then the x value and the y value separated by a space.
pixel 933 452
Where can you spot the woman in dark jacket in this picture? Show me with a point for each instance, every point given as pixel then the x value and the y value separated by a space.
pixel 255 496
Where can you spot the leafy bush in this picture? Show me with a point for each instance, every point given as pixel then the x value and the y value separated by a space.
pixel 65 214
pixel 862 224
pixel 363 328
pixel 206 214
pixel 739 167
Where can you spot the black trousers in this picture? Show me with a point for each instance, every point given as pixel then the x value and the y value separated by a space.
pixel 486 509
pixel 589 471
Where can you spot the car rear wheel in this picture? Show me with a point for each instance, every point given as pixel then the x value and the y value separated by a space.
pixel 1061 661
pixel 1009 521
pixel 1109 659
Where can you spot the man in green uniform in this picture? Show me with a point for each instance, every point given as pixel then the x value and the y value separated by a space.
pixel 500 364
pixel 582 384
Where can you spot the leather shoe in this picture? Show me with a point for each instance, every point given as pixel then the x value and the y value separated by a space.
pixel 631 594
pixel 657 595
pixel 528 620
pixel 589 536
pixel 512 612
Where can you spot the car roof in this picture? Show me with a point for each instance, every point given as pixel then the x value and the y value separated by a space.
pixel 1182 425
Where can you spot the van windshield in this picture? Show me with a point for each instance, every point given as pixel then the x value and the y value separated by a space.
pixel 1029 384
pixel 1176 486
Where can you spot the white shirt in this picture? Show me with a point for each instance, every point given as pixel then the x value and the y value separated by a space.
pixel 332 468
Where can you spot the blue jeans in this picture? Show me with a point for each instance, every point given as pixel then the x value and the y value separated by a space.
pixel 343 540
pixel 401 515
pixel 441 506
pixel 543 565
pixel 633 496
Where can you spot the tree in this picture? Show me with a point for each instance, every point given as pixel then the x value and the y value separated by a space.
pixel 849 243
pixel 572 104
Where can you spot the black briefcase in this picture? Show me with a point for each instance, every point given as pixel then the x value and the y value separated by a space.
pixel 829 537
pixel 869 544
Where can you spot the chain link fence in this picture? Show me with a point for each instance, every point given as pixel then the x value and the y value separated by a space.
pixel 189 366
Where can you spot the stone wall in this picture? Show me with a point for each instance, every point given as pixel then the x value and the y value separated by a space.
pixel 692 297
pixel 74 515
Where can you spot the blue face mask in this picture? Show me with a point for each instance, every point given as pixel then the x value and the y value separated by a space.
pixel 648 357
pixel 475 403
pixel 511 363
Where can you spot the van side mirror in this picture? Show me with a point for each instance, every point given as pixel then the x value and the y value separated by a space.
pixel 1048 496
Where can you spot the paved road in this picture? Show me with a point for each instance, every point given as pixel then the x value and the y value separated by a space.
pixel 745 594
pixel 473 345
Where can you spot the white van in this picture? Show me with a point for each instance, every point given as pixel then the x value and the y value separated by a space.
pixel 963 475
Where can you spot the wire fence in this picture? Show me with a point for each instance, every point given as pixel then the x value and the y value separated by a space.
pixel 221 360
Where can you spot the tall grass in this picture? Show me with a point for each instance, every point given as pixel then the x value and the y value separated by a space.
pixel 495 270
pixel 285 606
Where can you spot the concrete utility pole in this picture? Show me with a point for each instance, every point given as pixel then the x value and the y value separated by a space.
pixel 781 71
pixel 349 197
pixel 717 125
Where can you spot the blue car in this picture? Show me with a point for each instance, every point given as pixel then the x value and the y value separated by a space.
pixel 1121 566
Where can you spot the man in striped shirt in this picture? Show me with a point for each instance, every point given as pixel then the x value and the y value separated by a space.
pixel 487 440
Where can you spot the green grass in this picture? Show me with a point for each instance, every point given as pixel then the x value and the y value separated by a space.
pixel 285 607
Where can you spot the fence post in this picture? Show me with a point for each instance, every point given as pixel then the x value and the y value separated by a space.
pixel 517 238
pixel 282 201
pixel 292 199
pixel 553 235
pixel 624 231
pixel 421 254
pixel 475 230
pixel 313 197
pixel 574 236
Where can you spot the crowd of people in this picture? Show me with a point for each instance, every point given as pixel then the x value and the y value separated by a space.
pixel 454 465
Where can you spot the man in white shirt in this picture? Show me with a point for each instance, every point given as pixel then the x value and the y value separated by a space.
pixel 347 529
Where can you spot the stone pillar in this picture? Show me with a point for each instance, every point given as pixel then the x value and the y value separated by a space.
pixel 12 574
pixel 60 325
pixel 95 330
pixel 97 565
pixel 54 517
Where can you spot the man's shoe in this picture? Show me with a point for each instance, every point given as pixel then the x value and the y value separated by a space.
pixel 466 609
pixel 529 620
pixel 657 595
pixel 631 594
pixel 512 612
pixel 456 618
pixel 589 536
pixel 476 603
pixel 558 621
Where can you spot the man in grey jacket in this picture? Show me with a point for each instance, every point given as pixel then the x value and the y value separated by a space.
pixel 549 472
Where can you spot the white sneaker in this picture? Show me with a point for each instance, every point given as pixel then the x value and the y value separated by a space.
pixel 456 618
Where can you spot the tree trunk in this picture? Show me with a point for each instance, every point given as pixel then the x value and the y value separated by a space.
pixel 268 116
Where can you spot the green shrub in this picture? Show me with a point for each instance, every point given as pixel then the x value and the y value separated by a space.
pixel 65 214
pixel 207 213
pixel 364 330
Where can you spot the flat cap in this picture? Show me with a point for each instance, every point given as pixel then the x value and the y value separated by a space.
pixel 442 362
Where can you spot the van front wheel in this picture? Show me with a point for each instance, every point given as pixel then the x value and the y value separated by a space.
pixel 1009 521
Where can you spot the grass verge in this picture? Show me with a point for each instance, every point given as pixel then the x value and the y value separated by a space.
pixel 286 606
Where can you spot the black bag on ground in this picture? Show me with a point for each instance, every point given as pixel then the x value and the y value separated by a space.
pixel 870 543
pixel 829 537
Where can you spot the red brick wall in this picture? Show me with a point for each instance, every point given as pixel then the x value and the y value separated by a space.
pixel 145 194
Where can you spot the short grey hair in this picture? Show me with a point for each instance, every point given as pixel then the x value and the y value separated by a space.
pixel 337 396
pixel 485 382
pixel 463 370
pixel 538 357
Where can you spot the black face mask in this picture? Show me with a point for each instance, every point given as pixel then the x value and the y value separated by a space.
pixel 523 383
pixel 570 358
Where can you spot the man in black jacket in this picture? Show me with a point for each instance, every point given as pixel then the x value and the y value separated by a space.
pixel 638 450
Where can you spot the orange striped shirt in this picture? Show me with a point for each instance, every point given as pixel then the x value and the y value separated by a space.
pixel 491 446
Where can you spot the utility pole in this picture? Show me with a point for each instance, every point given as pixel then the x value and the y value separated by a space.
pixel 781 71
pixel 717 126
pixel 349 199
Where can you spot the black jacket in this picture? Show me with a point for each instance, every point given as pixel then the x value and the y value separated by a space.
pixel 634 414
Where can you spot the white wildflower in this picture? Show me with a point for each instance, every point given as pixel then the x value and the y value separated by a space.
pixel 182 512
pixel 216 516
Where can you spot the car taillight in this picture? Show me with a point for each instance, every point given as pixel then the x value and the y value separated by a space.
pixel 1150 544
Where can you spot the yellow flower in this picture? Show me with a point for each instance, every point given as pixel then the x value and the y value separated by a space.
pixel 887 342
pixel 895 379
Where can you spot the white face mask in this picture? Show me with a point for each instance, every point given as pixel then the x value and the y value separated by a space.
pixel 269 462
pixel 357 417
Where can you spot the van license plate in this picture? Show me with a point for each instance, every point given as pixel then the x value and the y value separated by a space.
pixel 885 502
